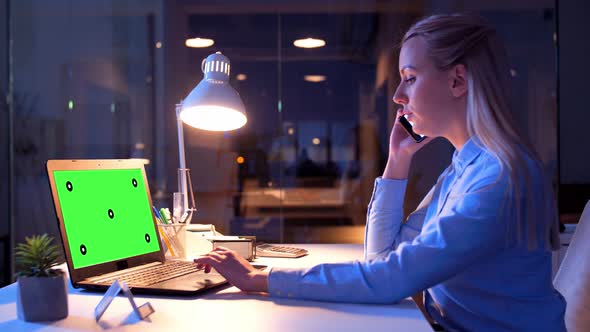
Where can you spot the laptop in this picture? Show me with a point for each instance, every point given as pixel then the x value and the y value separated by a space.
pixel 109 231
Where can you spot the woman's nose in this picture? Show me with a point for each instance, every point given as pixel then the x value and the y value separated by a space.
pixel 399 97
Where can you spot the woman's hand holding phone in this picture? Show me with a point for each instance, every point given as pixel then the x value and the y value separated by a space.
pixel 402 147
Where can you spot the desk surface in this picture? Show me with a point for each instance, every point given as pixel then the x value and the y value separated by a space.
pixel 229 309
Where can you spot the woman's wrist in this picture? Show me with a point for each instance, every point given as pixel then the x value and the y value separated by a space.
pixel 397 168
pixel 259 281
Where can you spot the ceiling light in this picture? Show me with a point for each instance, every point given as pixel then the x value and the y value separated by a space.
pixel 309 43
pixel 314 78
pixel 241 77
pixel 199 42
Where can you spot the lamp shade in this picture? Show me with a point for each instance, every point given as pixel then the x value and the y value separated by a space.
pixel 213 104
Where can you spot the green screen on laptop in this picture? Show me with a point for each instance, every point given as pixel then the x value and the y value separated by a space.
pixel 107 215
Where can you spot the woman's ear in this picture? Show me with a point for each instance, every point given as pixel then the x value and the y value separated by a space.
pixel 458 80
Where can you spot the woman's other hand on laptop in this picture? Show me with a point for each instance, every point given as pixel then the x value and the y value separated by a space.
pixel 236 269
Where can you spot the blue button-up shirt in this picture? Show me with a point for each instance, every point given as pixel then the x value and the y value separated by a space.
pixel 456 246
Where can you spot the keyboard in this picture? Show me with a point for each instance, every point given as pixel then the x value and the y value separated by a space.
pixel 273 250
pixel 153 274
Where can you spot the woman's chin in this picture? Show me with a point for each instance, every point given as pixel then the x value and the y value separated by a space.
pixel 418 131
pixel 422 133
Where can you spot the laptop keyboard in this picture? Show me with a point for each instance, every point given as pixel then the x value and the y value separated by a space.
pixel 153 274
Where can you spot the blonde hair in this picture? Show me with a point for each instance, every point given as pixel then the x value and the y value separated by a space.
pixel 468 40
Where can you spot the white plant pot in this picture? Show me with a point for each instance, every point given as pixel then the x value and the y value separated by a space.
pixel 42 298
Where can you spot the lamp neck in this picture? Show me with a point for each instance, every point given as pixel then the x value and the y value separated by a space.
pixel 180 137
pixel 181 181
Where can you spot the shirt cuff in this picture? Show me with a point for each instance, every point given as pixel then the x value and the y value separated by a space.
pixel 283 282
pixel 387 191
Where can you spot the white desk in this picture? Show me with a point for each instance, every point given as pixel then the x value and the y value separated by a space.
pixel 230 309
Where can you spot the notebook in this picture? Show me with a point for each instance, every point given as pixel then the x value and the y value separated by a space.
pixel 109 231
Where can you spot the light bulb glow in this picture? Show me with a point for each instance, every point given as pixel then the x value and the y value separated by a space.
pixel 315 141
pixel 309 43
pixel 199 42
pixel 213 118
pixel 314 78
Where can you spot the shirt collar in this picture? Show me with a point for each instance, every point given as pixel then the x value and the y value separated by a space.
pixel 471 149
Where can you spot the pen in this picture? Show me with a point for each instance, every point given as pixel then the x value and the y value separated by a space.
pixel 158 216
pixel 165 214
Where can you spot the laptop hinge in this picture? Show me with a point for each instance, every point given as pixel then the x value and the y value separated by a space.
pixel 122 265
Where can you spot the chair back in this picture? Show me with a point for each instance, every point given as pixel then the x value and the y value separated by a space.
pixel 573 277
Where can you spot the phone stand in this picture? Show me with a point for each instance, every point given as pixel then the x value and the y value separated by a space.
pixel 142 311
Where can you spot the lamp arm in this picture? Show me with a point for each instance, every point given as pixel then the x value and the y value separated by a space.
pixel 182 175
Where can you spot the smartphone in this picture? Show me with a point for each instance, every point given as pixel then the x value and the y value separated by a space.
pixel 408 127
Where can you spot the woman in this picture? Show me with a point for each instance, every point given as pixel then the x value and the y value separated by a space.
pixel 480 242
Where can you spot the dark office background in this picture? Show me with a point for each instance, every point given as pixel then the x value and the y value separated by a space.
pixel 99 79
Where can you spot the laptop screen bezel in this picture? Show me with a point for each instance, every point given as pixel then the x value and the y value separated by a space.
pixel 76 275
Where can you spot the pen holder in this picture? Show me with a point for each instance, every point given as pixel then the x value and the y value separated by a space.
pixel 173 240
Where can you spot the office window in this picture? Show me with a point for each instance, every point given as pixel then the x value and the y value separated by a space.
pixel 99 79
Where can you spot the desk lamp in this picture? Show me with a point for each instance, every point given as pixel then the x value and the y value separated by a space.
pixel 212 105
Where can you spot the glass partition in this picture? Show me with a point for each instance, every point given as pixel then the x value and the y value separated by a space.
pixel 99 79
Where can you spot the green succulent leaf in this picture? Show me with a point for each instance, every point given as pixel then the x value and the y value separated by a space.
pixel 37 257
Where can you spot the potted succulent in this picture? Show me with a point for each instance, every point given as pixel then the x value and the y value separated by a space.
pixel 41 289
